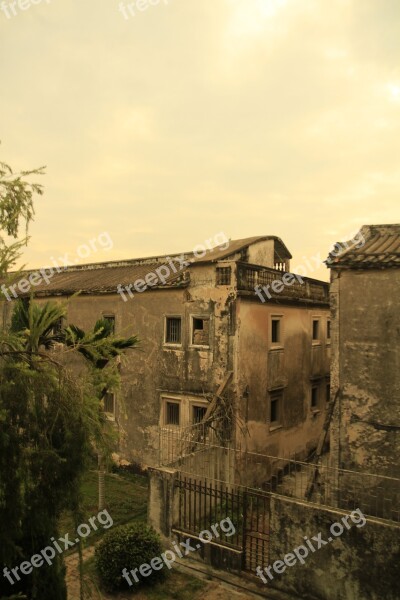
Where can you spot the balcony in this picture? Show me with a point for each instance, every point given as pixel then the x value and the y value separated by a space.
pixel 249 276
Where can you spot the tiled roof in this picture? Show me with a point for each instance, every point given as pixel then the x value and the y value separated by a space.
pixel 238 245
pixel 97 278
pixel 380 250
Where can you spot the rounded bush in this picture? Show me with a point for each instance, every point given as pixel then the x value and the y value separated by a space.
pixel 128 547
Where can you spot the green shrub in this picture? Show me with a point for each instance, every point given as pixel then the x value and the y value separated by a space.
pixel 128 547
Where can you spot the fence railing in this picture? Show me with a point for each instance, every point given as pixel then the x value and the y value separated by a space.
pixel 190 449
pixel 179 443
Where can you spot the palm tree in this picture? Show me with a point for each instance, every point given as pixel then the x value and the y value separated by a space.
pixel 34 327
pixel 99 347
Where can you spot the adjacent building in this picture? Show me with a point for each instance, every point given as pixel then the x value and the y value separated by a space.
pixel 365 300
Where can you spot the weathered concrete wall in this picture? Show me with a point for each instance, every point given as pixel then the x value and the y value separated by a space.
pixel 156 369
pixel 366 367
pixel 262 253
pixel 291 364
pixel 163 500
pixel 362 564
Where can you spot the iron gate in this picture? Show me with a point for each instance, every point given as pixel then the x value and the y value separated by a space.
pixel 208 505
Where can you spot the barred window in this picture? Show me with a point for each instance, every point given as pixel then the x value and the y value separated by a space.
pixel 172 413
pixel 199 413
pixel 173 330
pixel 223 275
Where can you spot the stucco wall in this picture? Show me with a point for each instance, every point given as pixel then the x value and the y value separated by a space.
pixel 366 366
pixel 291 364
pixel 361 564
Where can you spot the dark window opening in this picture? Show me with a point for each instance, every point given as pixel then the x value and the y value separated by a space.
pixel 201 332
pixel 328 330
pixel 315 329
pixel 314 396
pixel 172 413
pixel 223 275
pixel 173 331
pixel 199 413
pixel 275 407
pixel 275 331
pixel 109 403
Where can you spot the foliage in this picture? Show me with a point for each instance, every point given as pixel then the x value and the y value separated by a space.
pixel 127 547
pixel 49 420
pixel 16 205
pixel 98 346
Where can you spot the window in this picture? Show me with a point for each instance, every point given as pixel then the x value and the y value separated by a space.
pixel 328 330
pixel 199 413
pixel 172 413
pixel 275 410
pixel 315 329
pixel 111 320
pixel 200 331
pixel 223 275
pixel 314 396
pixel 109 404
pixel 275 330
pixel 173 330
pixel 328 392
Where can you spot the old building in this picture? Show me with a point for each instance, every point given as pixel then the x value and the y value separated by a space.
pixel 365 293
pixel 230 318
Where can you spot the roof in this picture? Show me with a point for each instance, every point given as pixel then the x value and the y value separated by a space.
pixel 375 246
pixel 98 278
pixel 236 246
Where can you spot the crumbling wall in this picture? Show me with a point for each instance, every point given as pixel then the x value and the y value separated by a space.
pixel 366 364
pixel 363 563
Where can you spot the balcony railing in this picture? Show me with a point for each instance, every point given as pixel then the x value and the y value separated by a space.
pixel 249 276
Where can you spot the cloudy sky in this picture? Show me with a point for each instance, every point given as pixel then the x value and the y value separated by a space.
pixel 167 125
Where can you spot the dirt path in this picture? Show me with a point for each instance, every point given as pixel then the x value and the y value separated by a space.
pixel 212 590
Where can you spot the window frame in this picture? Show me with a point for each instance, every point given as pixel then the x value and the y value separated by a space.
pixel 280 342
pixel 315 386
pixel 175 402
pixel 221 273
pixel 192 330
pixel 328 331
pixel 111 416
pixel 193 406
pixel 276 395
pixel 172 344
pixel 316 341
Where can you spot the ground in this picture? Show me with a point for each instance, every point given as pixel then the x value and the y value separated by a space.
pixel 126 501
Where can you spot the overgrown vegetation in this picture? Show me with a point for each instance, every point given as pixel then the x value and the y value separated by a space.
pixel 50 421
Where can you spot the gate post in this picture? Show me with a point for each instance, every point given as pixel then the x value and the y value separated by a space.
pixel 163 500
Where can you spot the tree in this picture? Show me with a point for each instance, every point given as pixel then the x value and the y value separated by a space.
pixel 99 348
pixel 49 421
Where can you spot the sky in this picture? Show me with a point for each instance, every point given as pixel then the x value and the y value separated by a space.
pixel 165 123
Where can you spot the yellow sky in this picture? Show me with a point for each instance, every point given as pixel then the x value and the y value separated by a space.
pixel 192 117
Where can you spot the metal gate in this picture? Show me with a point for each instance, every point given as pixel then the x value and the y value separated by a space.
pixel 212 506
